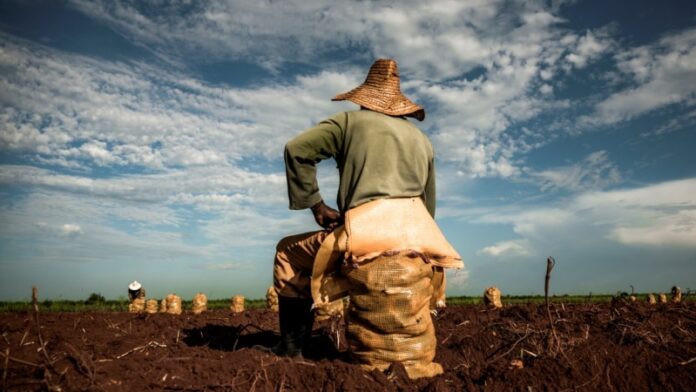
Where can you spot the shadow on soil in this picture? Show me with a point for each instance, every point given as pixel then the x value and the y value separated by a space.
pixel 232 338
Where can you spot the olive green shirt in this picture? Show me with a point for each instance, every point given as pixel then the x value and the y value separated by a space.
pixel 378 156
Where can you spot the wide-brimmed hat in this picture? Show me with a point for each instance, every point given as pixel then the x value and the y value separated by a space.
pixel 134 286
pixel 381 92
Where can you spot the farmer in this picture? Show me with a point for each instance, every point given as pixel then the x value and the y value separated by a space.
pixel 380 154
pixel 135 290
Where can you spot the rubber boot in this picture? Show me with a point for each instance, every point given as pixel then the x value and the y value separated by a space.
pixel 296 319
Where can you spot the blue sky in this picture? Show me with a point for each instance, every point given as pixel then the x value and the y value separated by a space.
pixel 141 140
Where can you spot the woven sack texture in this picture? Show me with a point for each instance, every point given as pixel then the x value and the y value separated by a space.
pixel 151 306
pixel 163 305
pixel 173 304
pixel 137 305
pixel 438 300
pixel 491 297
pixel 237 304
pixel 199 303
pixel 389 317
pixel 272 299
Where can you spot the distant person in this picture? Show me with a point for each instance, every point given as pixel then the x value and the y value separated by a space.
pixel 380 154
pixel 135 290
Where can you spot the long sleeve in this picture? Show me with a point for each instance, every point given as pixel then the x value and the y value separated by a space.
pixel 301 156
pixel 430 189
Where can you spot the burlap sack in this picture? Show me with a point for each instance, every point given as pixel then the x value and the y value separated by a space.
pixel 437 301
pixel 326 312
pixel 272 299
pixel 662 298
pixel 200 303
pixel 137 305
pixel 491 298
pixel 163 305
pixel 151 306
pixel 237 304
pixel 676 294
pixel 651 299
pixel 173 304
pixel 388 319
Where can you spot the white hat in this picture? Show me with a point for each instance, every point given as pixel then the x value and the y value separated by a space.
pixel 134 286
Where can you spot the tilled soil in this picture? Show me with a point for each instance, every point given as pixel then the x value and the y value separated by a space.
pixel 621 346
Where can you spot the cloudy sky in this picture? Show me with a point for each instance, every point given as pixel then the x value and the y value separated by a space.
pixel 143 139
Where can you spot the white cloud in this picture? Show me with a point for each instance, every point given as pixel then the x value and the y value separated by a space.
pixel 203 187
pixel 514 45
pixel 506 248
pixel 225 266
pixel 663 75
pixel 595 171
pixel 657 215
pixel 670 194
pixel 67 109
pixel 589 47
pixel 457 279
pixel 678 229
pixel 71 229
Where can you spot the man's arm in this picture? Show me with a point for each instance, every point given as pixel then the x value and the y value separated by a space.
pixel 301 156
pixel 429 195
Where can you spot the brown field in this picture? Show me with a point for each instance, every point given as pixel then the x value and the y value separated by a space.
pixel 624 346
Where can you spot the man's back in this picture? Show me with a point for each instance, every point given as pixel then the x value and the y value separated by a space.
pixel 378 156
pixel 383 157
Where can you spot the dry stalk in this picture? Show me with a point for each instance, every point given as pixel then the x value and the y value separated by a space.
pixel 140 348
pixel 281 384
pixel 4 372
pixel 688 361
pixel 17 360
pixel 336 328
pixel 512 347
pixel 24 337
pixel 35 304
pixel 553 343
pixel 82 364
pixel 253 384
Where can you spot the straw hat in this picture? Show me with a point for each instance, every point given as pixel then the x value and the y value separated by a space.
pixel 134 286
pixel 381 92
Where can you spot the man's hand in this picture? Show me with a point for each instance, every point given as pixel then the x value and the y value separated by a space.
pixel 326 217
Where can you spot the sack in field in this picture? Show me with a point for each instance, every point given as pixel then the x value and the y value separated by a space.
pixel 151 306
pixel 237 304
pixel 137 305
pixel 173 304
pixel 332 309
pixel 272 299
pixel 676 294
pixel 388 317
pixel 163 305
pixel 200 303
pixel 491 297
pixel 651 299
pixel 662 298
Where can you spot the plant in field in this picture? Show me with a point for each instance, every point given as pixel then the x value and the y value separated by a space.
pixel 95 298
